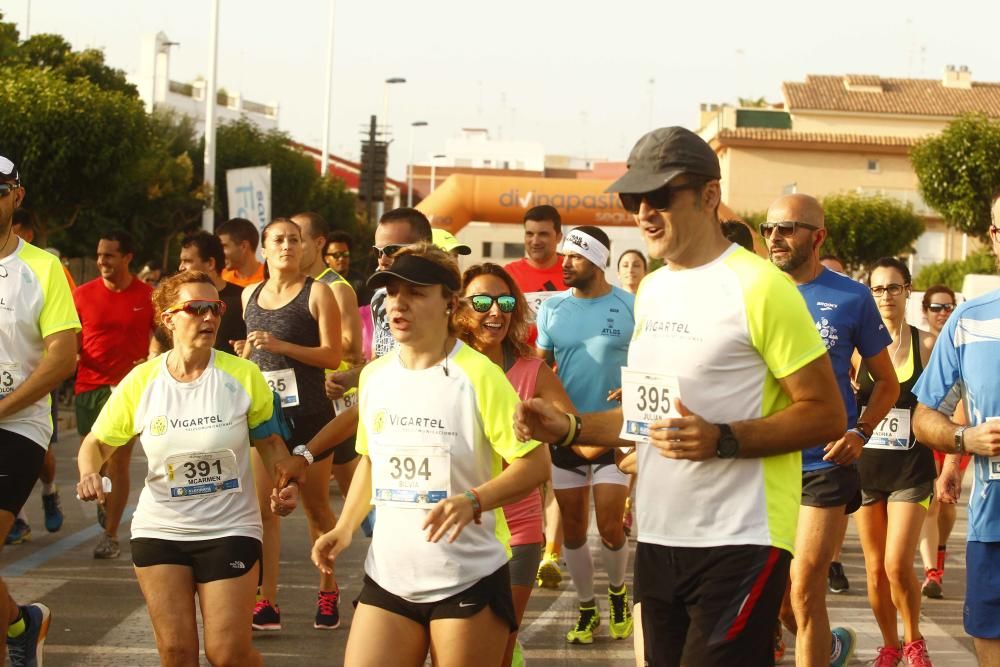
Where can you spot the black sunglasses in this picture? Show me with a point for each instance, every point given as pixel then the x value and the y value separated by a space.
pixel 787 228
pixel 389 250
pixel 938 307
pixel 660 199
pixel 339 255
pixel 481 303
pixel 198 307
pixel 7 188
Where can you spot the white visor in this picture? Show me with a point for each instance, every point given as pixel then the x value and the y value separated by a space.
pixel 585 245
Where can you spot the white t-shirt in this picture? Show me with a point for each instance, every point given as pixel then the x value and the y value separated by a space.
pixel 728 331
pixel 35 302
pixel 196 436
pixel 434 433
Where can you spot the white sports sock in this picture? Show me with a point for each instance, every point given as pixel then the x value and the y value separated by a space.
pixel 615 563
pixel 48 488
pixel 581 569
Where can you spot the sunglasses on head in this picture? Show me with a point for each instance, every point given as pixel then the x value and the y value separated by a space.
pixel 938 307
pixel 341 255
pixel 481 303
pixel 787 228
pixel 198 307
pixel 389 250
pixel 660 199
pixel 894 289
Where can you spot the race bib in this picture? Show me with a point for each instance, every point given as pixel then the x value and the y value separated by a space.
pixel 346 402
pixel 414 477
pixel 536 299
pixel 646 398
pixel 893 432
pixel 284 383
pixel 11 377
pixel 994 469
pixel 199 474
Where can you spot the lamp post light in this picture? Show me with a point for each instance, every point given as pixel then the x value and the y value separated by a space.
pixel 434 159
pixel 409 164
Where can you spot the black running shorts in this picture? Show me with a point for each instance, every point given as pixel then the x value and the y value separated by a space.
pixel 20 464
pixel 833 487
pixel 492 591
pixel 710 606
pixel 211 560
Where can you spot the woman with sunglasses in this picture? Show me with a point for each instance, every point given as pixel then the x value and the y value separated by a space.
pixel 938 304
pixel 197 527
pixel 494 316
pixel 897 479
pixel 293 334
pixel 435 427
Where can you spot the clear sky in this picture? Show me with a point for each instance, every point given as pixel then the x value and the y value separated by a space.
pixel 574 75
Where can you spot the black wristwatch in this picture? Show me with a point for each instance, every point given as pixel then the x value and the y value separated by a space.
pixel 728 446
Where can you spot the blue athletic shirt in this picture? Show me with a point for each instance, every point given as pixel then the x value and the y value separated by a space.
pixel 590 339
pixel 967 357
pixel 847 319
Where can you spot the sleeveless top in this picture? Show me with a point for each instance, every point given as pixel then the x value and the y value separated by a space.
pixel 888 470
pixel 524 518
pixel 292 323
pixel 331 277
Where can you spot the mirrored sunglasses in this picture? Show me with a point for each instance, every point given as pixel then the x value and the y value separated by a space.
pixel 481 303
pixel 198 307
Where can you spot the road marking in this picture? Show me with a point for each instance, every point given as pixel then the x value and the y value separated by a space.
pixel 21 567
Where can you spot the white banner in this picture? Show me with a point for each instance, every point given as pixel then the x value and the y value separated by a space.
pixel 249 191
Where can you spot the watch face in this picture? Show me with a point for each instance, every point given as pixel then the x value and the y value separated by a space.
pixel 728 447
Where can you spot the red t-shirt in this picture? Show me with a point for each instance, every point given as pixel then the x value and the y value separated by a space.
pixel 530 279
pixel 116 330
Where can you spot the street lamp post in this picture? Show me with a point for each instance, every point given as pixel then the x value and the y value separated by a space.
pixel 328 102
pixel 208 215
pixel 385 98
pixel 409 163
pixel 434 159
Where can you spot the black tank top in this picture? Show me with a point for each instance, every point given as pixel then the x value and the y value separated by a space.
pixel 292 323
pixel 884 469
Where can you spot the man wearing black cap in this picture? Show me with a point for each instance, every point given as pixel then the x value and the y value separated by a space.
pixel 727 380
pixel 38 327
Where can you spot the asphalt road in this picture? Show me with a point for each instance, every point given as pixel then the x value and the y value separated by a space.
pixel 99 617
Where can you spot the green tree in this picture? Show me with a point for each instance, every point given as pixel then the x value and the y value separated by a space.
pixel 295 183
pixel 863 228
pixel 75 144
pixel 959 170
pixel 953 273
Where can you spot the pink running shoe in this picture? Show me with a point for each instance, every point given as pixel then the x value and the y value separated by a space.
pixel 915 654
pixel 888 656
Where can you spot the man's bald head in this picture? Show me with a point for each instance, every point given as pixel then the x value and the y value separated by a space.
pixel 797 208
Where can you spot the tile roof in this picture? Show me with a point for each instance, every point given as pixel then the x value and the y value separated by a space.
pixel 916 97
pixel 763 134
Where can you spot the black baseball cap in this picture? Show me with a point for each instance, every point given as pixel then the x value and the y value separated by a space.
pixel 8 171
pixel 662 155
pixel 417 270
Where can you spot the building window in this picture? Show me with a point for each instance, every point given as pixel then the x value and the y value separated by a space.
pixel 487 248
pixel 873 167
pixel 513 250
pixel 487 163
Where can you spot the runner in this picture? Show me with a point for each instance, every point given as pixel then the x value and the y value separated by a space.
pixel 847 320
pixel 494 316
pixel 150 273
pixel 38 327
pixel 23 224
pixel 116 311
pixel 586 331
pixel 337 256
pixel 631 270
pixel 897 479
pixel 938 304
pixel 202 251
pixel 314 234
pixel 197 529
pixel 293 333
pixel 239 244
pixel 539 275
pixel 967 355
pixel 833 263
pixel 719 492
pixel 435 427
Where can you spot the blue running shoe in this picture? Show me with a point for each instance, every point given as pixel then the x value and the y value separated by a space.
pixel 19 533
pixel 53 511
pixel 842 647
pixel 25 650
